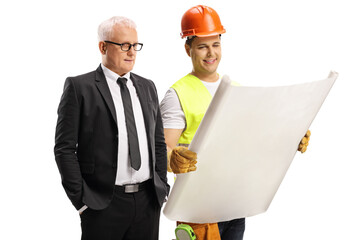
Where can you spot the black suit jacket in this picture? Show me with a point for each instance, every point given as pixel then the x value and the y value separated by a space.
pixel 86 139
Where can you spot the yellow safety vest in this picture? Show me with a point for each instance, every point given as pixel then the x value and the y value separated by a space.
pixel 194 99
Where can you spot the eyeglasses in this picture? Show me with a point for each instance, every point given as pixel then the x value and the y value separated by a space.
pixel 127 46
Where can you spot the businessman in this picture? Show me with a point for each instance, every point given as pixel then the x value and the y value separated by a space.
pixel 109 142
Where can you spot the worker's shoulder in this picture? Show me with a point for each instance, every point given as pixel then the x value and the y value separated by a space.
pixel 181 80
pixel 187 83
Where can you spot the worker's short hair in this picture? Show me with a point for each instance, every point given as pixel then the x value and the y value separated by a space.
pixel 190 39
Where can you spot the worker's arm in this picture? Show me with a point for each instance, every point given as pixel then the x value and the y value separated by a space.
pixel 180 159
pixel 172 137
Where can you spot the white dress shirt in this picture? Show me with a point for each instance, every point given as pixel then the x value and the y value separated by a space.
pixel 125 173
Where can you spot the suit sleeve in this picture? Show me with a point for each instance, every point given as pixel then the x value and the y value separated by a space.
pixel 160 149
pixel 66 139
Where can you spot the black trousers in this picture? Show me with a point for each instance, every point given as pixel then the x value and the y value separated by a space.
pixel 232 230
pixel 130 216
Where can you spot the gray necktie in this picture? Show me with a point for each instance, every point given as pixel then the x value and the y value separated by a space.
pixel 133 141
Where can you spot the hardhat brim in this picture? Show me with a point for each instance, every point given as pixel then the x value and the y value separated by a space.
pixel 205 34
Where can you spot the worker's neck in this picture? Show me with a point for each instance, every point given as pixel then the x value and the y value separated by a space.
pixel 207 77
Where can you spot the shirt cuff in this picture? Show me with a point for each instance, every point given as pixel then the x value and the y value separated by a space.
pixel 83 208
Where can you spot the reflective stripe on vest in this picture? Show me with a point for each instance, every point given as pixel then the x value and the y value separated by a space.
pixel 194 99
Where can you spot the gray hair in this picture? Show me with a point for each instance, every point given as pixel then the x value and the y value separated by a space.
pixel 105 28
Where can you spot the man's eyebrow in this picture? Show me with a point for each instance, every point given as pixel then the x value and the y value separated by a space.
pixel 206 44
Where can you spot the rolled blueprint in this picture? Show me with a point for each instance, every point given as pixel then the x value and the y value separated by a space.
pixel 245 145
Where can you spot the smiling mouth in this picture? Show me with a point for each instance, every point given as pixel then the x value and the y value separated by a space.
pixel 210 61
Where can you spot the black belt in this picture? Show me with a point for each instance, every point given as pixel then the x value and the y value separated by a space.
pixel 133 188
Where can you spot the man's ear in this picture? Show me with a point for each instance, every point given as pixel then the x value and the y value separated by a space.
pixel 102 47
pixel 187 49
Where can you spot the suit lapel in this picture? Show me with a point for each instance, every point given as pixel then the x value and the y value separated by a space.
pixel 143 98
pixel 103 87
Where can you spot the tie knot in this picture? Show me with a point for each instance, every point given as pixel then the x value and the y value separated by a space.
pixel 122 81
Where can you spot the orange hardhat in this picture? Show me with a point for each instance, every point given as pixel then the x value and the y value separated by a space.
pixel 201 21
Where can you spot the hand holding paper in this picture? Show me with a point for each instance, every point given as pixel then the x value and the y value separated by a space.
pixel 304 142
pixel 182 160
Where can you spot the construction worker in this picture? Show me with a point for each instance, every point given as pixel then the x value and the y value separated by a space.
pixel 186 102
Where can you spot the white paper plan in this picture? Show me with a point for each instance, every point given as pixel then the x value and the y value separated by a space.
pixel 245 144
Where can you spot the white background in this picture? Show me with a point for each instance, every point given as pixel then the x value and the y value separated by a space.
pixel 267 43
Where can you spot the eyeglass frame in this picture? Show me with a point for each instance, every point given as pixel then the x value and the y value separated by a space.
pixel 130 45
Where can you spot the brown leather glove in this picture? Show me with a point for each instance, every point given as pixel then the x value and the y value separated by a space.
pixel 304 142
pixel 182 160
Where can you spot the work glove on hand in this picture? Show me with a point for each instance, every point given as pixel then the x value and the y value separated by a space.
pixel 182 160
pixel 304 142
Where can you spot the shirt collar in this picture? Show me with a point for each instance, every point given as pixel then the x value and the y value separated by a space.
pixel 112 75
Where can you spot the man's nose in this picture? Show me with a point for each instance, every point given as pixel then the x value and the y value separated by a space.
pixel 211 51
pixel 131 51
